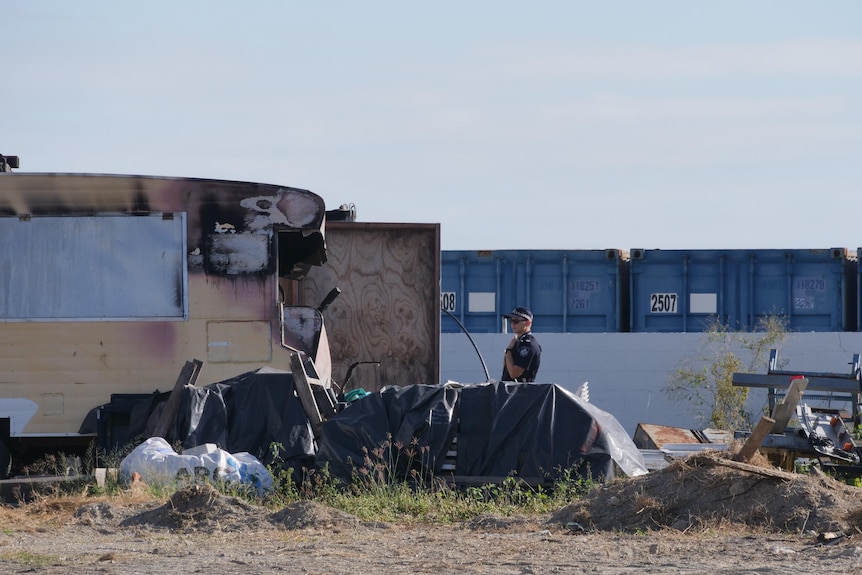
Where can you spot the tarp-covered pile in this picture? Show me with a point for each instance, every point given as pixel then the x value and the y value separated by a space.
pixel 535 431
pixel 255 412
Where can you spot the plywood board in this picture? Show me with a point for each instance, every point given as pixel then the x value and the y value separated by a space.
pixel 389 310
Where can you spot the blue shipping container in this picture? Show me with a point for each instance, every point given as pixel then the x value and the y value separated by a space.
pixel 687 290
pixel 571 291
pixel 857 290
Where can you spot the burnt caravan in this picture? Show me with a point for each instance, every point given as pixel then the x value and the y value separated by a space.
pixel 109 284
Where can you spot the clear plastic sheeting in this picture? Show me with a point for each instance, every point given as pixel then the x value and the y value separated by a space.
pixel 495 429
pixel 158 464
pixel 622 448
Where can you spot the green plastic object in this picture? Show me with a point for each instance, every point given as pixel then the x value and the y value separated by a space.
pixel 355 394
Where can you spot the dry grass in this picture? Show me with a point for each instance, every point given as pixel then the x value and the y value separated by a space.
pixel 650 507
pixel 47 512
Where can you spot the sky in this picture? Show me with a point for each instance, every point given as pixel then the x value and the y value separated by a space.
pixel 563 125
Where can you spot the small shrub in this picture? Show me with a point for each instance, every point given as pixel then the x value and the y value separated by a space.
pixel 706 381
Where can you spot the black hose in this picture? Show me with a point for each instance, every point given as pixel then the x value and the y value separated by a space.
pixel 467 333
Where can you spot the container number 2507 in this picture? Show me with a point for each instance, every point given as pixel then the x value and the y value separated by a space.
pixel 662 302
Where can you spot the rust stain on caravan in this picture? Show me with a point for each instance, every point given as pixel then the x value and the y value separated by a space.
pixel 158 339
pixel 229 286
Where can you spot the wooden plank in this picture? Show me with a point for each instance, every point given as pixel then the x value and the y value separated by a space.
pixel 188 376
pixel 752 444
pixel 650 436
pixel 741 466
pixel 785 410
pixel 306 395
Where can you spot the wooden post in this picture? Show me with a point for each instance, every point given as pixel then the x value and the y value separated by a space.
pixel 188 376
pixel 785 410
pixel 755 440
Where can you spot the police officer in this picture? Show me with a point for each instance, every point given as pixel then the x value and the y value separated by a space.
pixel 521 360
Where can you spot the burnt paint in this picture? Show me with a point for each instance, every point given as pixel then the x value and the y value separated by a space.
pixel 212 213
pixel 267 209
pixel 140 203
pixel 225 257
pixel 178 291
pixel 296 253
pixel 256 214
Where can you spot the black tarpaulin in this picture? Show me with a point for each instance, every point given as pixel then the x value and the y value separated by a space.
pixel 248 413
pixel 533 430
pixel 406 427
pixel 529 430
pixel 524 429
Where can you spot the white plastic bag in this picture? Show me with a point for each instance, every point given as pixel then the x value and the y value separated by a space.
pixel 157 463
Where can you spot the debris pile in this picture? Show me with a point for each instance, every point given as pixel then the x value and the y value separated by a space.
pixel 710 490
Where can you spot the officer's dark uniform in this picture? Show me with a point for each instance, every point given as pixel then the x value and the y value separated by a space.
pixel 526 353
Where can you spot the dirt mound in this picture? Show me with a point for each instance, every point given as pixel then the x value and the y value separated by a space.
pixel 201 508
pixel 304 514
pixel 95 513
pixel 710 490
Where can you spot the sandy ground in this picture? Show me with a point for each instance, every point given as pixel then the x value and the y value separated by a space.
pixel 705 515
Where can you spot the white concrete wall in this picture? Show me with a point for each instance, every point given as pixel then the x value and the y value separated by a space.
pixel 627 371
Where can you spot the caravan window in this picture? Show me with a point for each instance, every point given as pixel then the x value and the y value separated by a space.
pixel 96 268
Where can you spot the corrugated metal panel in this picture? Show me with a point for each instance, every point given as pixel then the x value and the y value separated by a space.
pixel 654 459
pixel 685 290
pixel 857 289
pixel 568 291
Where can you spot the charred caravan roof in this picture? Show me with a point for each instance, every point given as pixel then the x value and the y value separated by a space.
pixel 211 206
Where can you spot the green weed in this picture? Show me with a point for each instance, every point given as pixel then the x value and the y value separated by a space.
pixel 30 559
pixel 394 483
